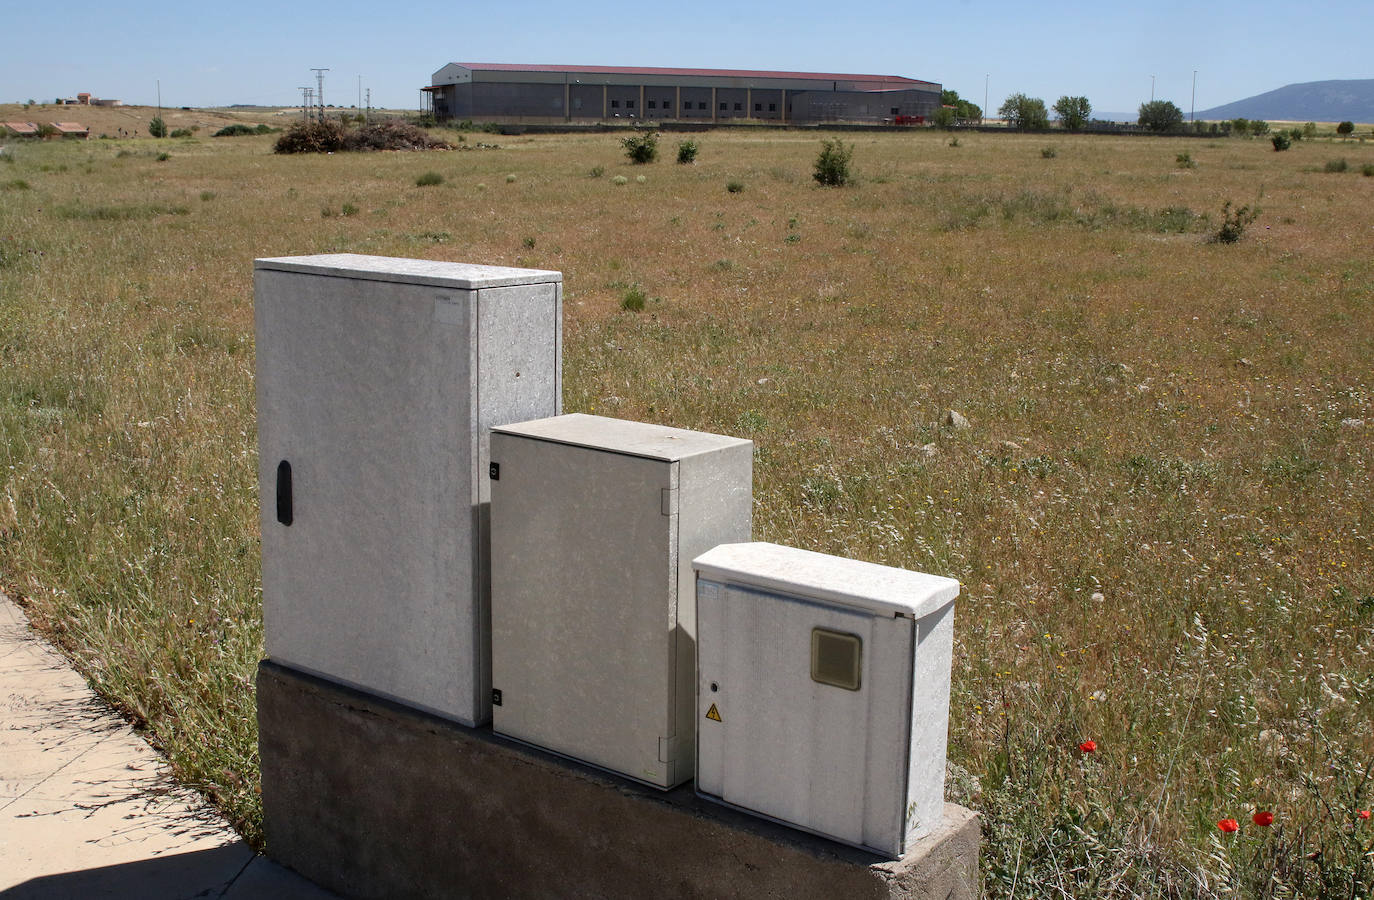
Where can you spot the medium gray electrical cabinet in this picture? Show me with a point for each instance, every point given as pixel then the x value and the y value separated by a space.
pixel 594 525
pixel 377 382
pixel 823 691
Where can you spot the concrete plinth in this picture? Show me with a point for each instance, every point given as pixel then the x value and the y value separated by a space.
pixel 374 799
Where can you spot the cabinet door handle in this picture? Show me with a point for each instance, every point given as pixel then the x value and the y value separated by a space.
pixel 285 512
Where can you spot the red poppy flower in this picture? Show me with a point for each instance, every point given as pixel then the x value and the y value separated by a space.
pixel 1264 818
pixel 1088 746
pixel 1363 814
pixel 1228 825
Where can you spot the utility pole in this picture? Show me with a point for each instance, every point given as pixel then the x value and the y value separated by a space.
pixel 367 111
pixel 305 103
pixel 1193 107
pixel 159 103
pixel 985 97
pixel 1152 89
pixel 319 99
pixel 360 91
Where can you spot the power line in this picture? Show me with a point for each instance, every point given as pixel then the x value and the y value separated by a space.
pixel 319 79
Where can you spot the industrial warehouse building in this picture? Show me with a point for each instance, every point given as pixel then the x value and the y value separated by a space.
pixel 505 92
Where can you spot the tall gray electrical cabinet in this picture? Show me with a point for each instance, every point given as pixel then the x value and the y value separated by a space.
pixel 595 523
pixel 377 383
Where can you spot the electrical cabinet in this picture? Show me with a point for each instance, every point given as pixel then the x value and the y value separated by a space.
pixel 594 524
pixel 823 691
pixel 377 383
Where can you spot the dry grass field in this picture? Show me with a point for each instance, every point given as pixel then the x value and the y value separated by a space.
pixel 1161 511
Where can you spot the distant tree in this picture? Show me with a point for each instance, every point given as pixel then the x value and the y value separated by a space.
pixel 1073 112
pixel 1160 115
pixel 1345 128
pixel 1309 130
pixel 944 117
pixel 29 102
pixel 959 108
pixel 157 128
pixel 1021 111
pixel 1240 127
pixel 1259 127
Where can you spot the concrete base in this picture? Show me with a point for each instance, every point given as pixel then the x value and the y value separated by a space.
pixel 373 799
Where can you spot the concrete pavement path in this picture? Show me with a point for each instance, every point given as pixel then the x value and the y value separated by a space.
pixel 88 809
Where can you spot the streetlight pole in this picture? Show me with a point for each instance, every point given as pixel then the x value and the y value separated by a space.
pixel 1152 89
pixel 985 97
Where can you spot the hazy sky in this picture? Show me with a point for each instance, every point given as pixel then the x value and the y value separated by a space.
pixel 258 52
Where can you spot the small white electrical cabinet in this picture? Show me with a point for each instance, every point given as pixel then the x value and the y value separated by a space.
pixel 594 525
pixel 377 382
pixel 823 692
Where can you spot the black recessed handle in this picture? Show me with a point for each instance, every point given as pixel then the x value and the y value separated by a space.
pixel 285 512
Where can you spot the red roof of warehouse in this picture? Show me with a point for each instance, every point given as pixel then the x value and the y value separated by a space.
pixel 656 70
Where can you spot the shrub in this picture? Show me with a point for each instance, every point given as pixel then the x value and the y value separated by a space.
pixel 597 171
pixel 832 165
pixel 348 209
pixel 330 135
pixel 640 179
pixel 734 187
pixel 1367 170
pixel 163 157
pixel 181 133
pixel 634 299
pixel 206 196
pixel 1259 127
pixel 311 137
pixel 954 142
pixel 1345 128
pixel 687 152
pixel 1048 153
pixel 1281 141
pixel 1233 223
pixel 1185 161
pixel 641 148
pixel 1295 133
pixel 510 178
pixel 1336 165
pixel 619 180
pixel 157 128
pixel 428 179
pixel 1309 130
pixel 236 130
pixel 390 134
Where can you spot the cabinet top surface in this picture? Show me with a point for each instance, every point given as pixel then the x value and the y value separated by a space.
pixel 462 276
pixel 883 590
pixel 622 436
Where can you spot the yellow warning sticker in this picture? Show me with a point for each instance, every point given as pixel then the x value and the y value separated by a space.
pixel 713 713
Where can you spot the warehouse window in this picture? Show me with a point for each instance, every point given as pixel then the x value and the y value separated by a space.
pixel 758 107
pixel 701 105
pixel 723 107
pixel 653 104
pixel 895 110
pixel 615 104
pixel 629 104
pixel 772 107
pixel 739 107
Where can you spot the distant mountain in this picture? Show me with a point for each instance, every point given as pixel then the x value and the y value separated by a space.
pixel 1315 101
